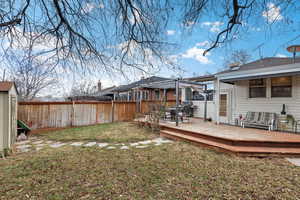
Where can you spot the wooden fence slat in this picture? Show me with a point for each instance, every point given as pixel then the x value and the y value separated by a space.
pixel 65 114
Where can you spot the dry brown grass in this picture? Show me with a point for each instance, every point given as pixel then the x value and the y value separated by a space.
pixel 171 171
pixel 110 132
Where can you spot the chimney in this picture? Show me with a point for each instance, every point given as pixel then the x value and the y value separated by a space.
pixel 234 66
pixel 99 86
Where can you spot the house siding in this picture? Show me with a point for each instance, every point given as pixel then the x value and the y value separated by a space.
pixel 7 137
pixel 243 103
pixel 212 106
pixel 199 111
pixel 4 123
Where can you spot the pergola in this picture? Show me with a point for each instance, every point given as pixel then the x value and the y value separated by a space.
pixel 177 84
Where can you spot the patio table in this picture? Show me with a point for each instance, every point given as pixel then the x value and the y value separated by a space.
pixel 172 111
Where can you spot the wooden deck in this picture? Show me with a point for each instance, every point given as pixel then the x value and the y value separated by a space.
pixel 236 140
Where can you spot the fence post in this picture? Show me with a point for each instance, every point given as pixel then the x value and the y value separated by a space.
pixel 73 113
pixel 112 111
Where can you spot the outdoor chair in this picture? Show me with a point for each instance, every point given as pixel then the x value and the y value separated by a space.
pixel 168 115
pixel 186 113
pixel 260 120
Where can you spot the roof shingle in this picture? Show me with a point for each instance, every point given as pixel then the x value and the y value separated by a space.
pixel 151 79
pixel 5 86
pixel 264 63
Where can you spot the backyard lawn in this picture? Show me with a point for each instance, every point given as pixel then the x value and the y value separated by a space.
pixel 110 132
pixel 175 170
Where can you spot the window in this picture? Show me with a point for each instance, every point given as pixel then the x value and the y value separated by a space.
pixel 156 94
pixel 188 94
pixel 210 95
pixel 145 95
pixel 257 88
pixel 200 97
pixel 281 87
pixel 223 105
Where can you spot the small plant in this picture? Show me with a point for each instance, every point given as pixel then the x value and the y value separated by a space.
pixel 5 152
pixel 157 111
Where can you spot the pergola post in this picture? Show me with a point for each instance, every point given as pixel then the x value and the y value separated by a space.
pixel 205 102
pixel 165 97
pixel 177 100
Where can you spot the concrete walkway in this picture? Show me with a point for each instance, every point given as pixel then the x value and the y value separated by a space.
pixel 295 161
pixel 36 144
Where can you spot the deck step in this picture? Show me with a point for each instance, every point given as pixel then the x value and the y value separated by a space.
pixel 234 142
pixel 241 150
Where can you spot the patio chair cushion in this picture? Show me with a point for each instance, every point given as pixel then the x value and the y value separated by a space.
pixel 266 118
pixel 260 119
pixel 250 116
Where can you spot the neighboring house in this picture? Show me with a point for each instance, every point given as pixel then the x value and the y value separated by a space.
pixel 8 115
pixel 143 90
pixel 262 86
pixel 48 98
pixel 105 94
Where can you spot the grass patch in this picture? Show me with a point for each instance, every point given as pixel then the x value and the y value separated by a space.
pixel 171 171
pixel 110 132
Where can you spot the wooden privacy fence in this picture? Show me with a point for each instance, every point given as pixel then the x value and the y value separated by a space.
pixel 65 114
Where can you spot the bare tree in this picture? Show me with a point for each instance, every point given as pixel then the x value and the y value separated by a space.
pixel 237 56
pixel 84 88
pixel 114 34
pixel 124 34
pixel 238 17
pixel 31 74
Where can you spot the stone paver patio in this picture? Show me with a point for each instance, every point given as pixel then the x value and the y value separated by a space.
pixel 36 144
pixel 295 161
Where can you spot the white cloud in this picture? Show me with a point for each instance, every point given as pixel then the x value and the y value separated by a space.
pixel 197 54
pixel 89 7
pixel 171 32
pixel 213 26
pixel 255 29
pixel 101 5
pixel 203 44
pixel 272 14
pixel 281 55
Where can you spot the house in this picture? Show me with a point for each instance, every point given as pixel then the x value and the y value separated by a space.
pixel 263 85
pixel 48 98
pixel 8 114
pixel 105 94
pixel 144 90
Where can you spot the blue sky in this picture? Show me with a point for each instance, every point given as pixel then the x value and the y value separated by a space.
pixel 191 42
pixel 268 34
